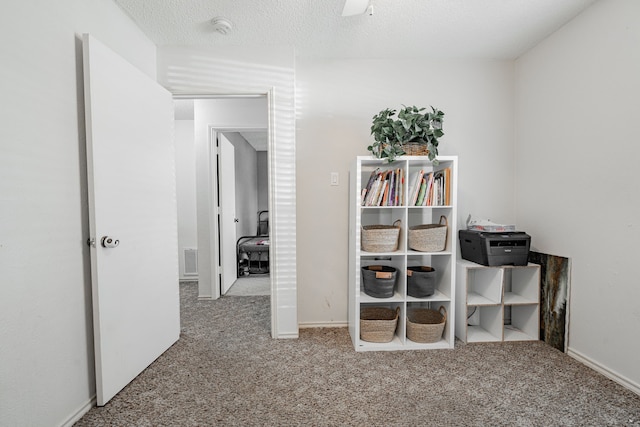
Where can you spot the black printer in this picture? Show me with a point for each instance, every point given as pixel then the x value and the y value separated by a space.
pixel 491 249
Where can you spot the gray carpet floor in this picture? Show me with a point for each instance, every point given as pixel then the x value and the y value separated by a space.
pixel 253 284
pixel 226 370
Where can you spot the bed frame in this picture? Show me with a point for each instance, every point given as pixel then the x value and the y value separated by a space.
pixel 252 252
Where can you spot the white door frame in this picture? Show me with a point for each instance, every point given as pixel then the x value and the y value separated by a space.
pixel 211 71
pixel 209 287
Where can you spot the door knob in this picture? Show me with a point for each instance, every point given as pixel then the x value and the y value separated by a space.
pixel 109 242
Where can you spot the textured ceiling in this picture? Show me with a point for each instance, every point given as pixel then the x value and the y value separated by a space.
pixel 500 29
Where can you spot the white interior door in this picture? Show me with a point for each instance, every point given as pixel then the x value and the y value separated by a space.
pixel 228 235
pixel 131 181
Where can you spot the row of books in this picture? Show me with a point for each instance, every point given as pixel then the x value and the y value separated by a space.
pixel 431 188
pixel 387 188
pixel 384 188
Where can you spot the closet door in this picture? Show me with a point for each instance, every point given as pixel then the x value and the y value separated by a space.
pixel 228 235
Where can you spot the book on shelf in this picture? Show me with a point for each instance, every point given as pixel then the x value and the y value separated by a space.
pixel 375 196
pixel 434 196
pixel 384 188
pixel 392 190
pixel 401 192
pixel 372 178
pixel 396 187
pixel 399 188
pixel 384 194
pixel 415 188
pixel 423 188
pixel 430 188
pixel 366 191
pixel 447 178
pixel 445 187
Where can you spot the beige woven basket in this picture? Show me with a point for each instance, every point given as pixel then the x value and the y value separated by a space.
pixel 414 149
pixel 411 149
pixel 380 238
pixel 378 324
pixel 425 325
pixel 429 237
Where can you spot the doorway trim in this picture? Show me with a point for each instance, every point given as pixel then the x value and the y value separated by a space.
pixel 281 184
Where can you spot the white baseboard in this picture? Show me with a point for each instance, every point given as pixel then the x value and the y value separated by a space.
pixel 287 336
pixel 612 375
pixel 79 413
pixel 336 324
pixel 307 325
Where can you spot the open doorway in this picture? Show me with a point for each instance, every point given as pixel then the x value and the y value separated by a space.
pixel 270 72
pixel 238 190
pixel 243 195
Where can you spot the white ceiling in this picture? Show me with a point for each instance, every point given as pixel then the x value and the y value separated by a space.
pixel 501 29
pixel 497 29
pixel 258 139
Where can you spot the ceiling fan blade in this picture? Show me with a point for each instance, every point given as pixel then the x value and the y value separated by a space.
pixel 355 7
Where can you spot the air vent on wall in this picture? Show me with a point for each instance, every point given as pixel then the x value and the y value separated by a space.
pixel 190 262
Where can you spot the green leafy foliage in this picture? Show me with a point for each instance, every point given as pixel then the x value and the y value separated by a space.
pixel 412 125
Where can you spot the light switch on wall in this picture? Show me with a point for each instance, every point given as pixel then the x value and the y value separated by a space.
pixel 335 178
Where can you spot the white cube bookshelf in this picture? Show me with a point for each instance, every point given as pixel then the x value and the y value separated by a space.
pixel 484 297
pixel 443 261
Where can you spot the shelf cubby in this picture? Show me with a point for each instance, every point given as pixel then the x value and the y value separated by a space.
pixel 524 324
pixel 522 286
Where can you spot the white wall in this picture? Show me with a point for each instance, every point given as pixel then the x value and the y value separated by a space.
pixel 46 347
pixel 186 190
pixel 336 101
pixel 577 185
pixel 263 181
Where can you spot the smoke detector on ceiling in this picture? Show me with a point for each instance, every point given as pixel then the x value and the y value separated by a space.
pixel 221 25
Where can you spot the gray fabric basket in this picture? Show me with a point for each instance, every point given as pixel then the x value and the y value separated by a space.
pixel 379 280
pixel 421 281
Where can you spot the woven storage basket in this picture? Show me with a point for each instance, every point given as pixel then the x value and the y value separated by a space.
pixel 380 238
pixel 429 237
pixel 425 325
pixel 378 324
pixel 413 149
